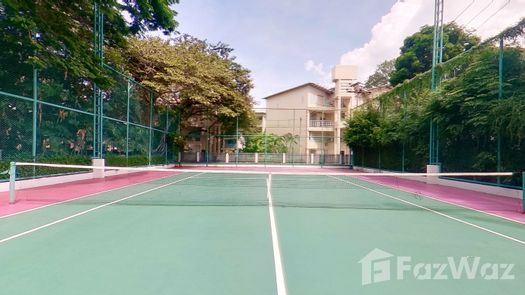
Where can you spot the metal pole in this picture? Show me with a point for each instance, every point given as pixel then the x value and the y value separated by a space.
pixel 237 140
pixel 12 182
pixel 436 143
pixel 404 139
pixel 207 145
pixel 166 145
pixel 500 96
pixel 150 127
pixel 293 137
pixel 437 57
pixel 179 129
pixel 101 54
pixel 35 117
pixel 265 148
pixel 95 98
pixel 431 143
pixel 321 159
pixel 98 44
pixel 127 123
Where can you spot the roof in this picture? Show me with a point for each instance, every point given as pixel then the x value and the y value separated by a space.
pixel 317 86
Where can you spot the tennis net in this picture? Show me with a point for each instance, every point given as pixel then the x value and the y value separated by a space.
pixel 162 186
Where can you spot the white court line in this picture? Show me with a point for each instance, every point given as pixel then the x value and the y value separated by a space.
pixel 279 272
pixel 86 196
pixel 436 212
pixel 90 210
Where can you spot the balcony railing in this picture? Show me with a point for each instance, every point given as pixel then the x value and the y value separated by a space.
pixel 321 123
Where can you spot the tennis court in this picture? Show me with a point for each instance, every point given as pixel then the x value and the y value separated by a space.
pixel 253 232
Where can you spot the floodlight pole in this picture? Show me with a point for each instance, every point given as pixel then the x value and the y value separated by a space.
pixel 437 58
pixel 98 45
pixel 500 96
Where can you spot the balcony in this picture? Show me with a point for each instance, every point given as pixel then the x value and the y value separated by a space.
pixel 321 123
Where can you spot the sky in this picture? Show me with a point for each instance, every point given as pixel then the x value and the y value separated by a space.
pixel 286 43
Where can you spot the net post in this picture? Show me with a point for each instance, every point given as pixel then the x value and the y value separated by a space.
pixel 99 172
pixel 12 182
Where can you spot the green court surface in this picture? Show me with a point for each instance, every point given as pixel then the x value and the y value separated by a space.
pixel 211 234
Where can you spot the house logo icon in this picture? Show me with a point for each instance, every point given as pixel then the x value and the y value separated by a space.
pixel 375 267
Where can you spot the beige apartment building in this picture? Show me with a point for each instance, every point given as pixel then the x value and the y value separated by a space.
pixel 316 115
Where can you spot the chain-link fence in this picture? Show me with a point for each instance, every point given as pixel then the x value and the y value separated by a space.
pixel 283 136
pixel 49 116
pixel 477 113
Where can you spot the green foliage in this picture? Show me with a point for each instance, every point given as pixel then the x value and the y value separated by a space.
pixel 416 52
pixel 200 80
pixel 60 33
pixel 132 160
pixel 382 74
pixel 466 108
pixel 268 143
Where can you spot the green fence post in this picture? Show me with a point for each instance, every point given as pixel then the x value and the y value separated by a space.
pixel 293 137
pixel 12 182
pixel 500 96
pixel 265 148
pixel 127 121
pixel 150 127
pixel 35 117
pixel 237 141
pixel 166 145
pixel 207 146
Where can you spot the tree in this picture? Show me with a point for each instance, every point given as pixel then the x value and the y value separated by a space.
pixel 60 33
pixel 416 52
pixel 199 80
pixel 382 74
pixel 266 143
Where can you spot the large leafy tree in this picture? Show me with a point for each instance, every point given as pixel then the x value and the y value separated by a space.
pixel 59 33
pixel 382 74
pixel 200 80
pixel 416 52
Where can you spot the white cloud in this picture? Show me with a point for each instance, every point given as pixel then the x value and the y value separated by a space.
pixel 407 16
pixel 319 70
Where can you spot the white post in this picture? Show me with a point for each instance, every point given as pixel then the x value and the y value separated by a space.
pixel 179 157
pixel 98 173
pixel 12 183
pixel 198 157
pixel 227 158
pixel 433 169
pixel 284 158
pixel 256 158
pixel 311 158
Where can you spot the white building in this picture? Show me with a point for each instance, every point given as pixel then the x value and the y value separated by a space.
pixel 317 115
